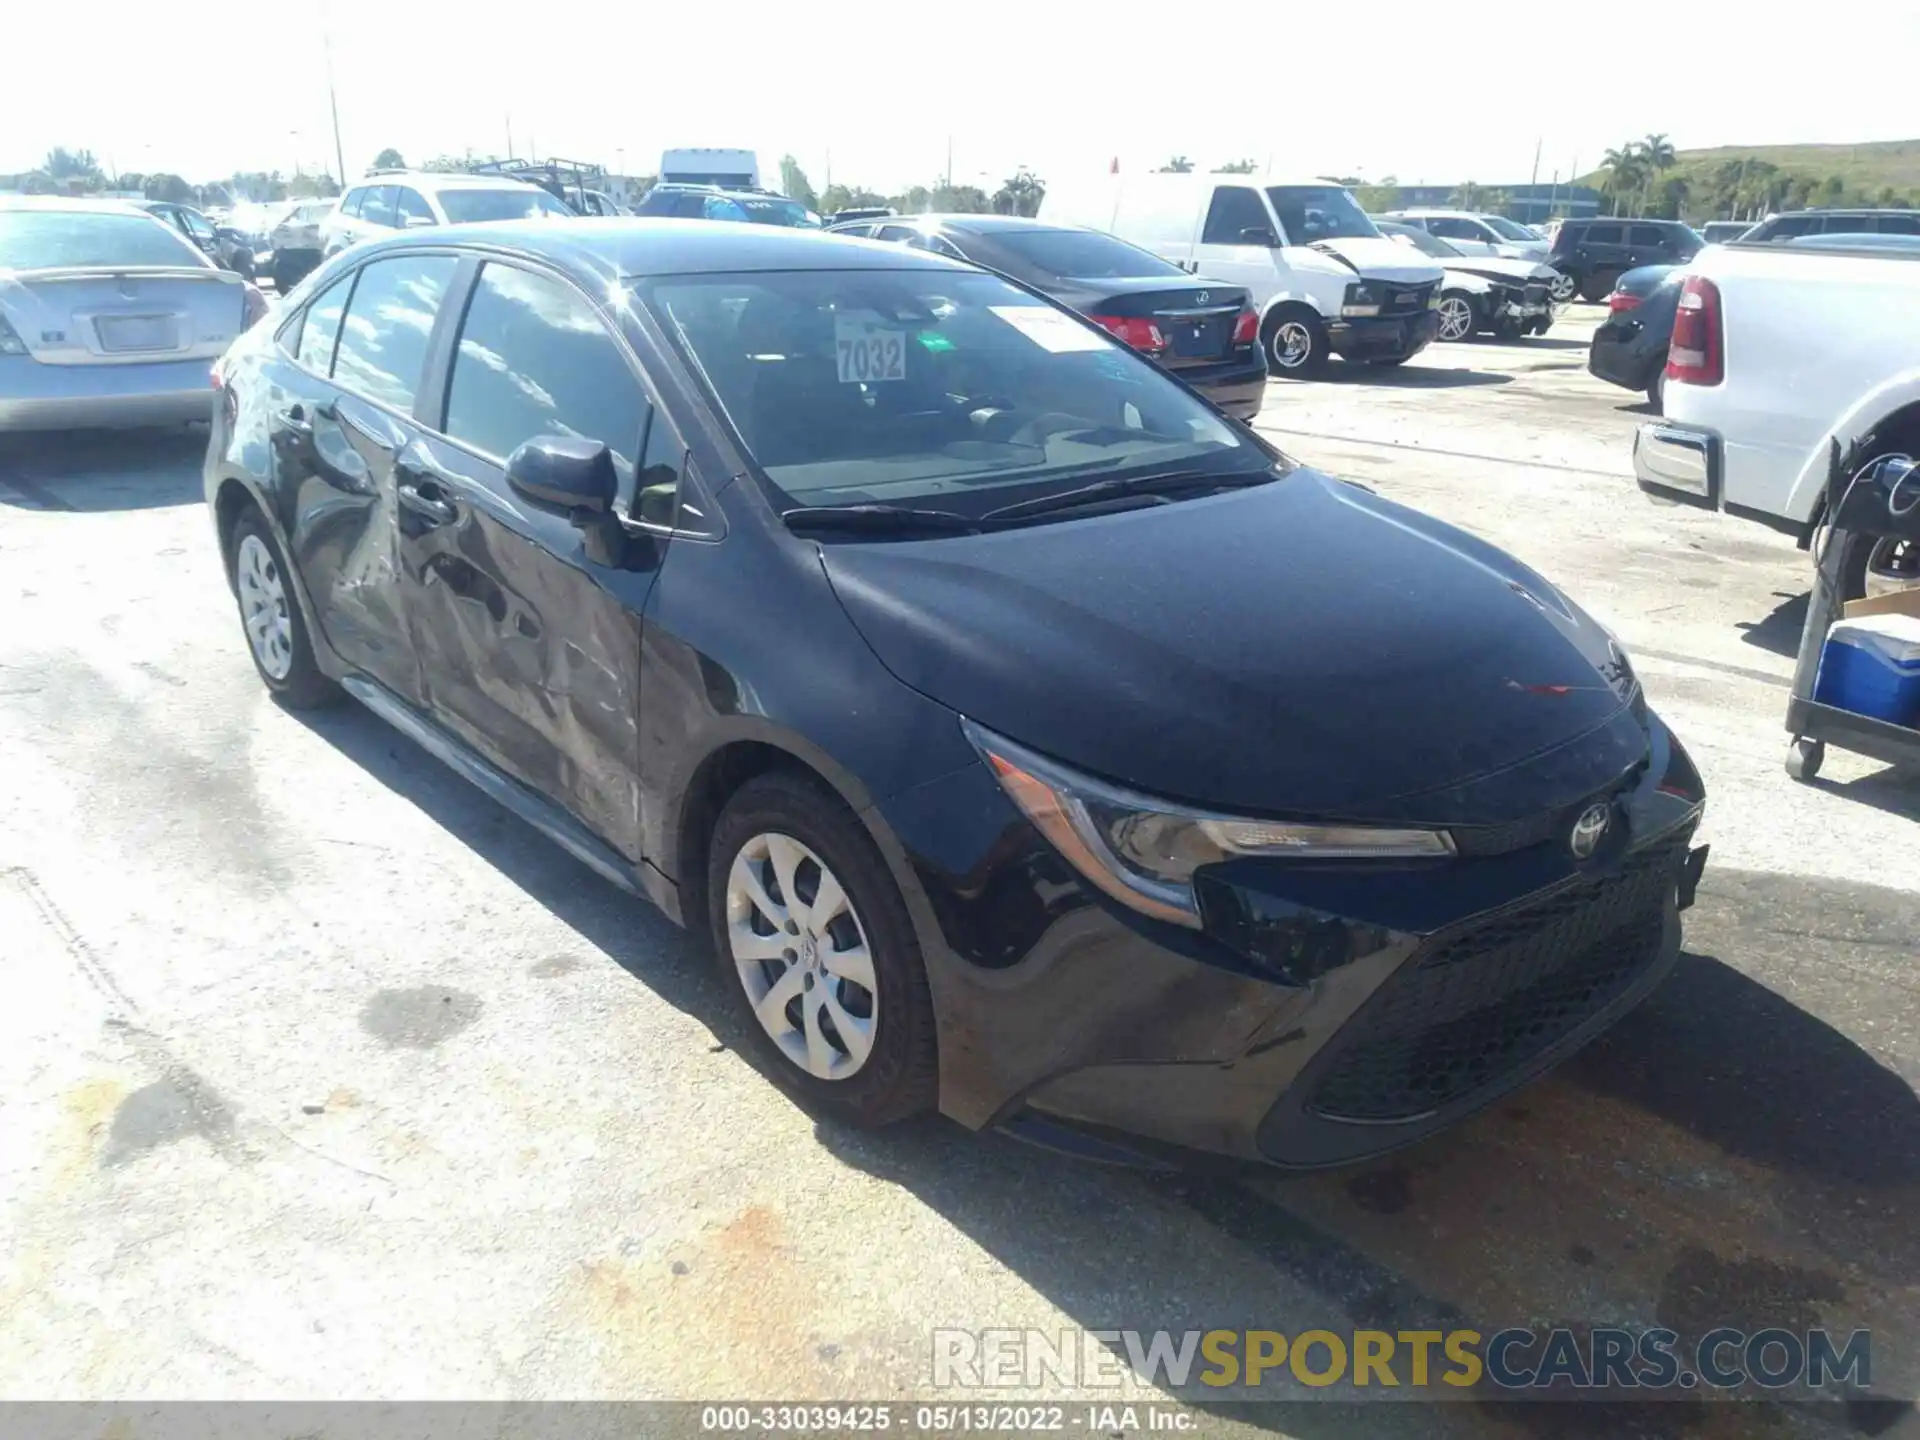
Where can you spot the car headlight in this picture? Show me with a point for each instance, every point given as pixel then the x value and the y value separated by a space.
pixel 1433 298
pixel 1363 298
pixel 1143 852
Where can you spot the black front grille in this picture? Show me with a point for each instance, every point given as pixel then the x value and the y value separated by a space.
pixel 1481 1003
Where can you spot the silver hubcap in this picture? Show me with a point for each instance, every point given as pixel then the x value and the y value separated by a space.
pixel 263 606
pixel 1456 318
pixel 1292 344
pixel 1562 287
pixel 801 953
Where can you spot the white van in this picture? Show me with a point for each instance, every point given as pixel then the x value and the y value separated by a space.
pixel 710 165
pixel 1325 281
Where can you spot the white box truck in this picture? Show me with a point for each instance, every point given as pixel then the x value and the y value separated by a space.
pixel 1324 280
pixel 729 169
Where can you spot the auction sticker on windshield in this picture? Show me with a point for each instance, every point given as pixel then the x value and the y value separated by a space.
pixel 1049 329
pixel 868 349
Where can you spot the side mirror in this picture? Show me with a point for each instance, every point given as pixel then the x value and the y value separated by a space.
pixel 563 472
pixel 1259 235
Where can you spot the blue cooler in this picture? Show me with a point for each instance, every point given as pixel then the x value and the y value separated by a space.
pixel 1871 666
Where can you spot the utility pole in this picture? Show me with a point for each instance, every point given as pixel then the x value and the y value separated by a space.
pixel 333 100
pixel 1533 181
pixel 509 135
pixel 948 182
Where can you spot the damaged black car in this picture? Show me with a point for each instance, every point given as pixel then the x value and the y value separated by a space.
pixel 1033 743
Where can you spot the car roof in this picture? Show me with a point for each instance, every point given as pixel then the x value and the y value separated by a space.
pixel 642 246
pixel 442 180
pixel 81 204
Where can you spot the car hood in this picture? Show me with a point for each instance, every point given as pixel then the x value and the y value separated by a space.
pixel 1381 259
pixel 1488 267
pixel 1301 648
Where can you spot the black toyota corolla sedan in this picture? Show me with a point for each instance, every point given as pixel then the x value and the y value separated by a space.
pixel 1034 743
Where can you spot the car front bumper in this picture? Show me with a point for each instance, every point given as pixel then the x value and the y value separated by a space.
pixel 1679 462
pixel 1325 1014
pixel 1383 339
pixel 34 396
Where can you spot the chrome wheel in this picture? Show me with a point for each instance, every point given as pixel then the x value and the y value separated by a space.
pixel 1292 344
pixel 1892 565
pixel 1561 291
pixel 1456 317
pixel 263 606
pixel 801 955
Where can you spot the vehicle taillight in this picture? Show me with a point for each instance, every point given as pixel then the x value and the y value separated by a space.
pixel 1246 329
pixel 1695 355
pixel 255 308
pixel 1137 330
pixel 1619 300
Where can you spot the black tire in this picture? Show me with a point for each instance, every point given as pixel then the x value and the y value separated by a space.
pixel 1853 566
pixel 1287 325
pixel 1805 757
pixel 1594 288
pixel 303 686
pixel 900 1076
pixel 1564 286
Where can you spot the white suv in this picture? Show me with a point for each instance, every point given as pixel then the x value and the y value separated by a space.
pixel 410 201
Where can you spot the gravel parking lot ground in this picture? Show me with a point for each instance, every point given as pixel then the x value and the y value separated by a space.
pixel 320 1075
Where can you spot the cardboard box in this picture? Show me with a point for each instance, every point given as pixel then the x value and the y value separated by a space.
pixel 1900 602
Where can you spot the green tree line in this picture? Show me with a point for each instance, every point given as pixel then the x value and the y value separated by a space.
pixel 1647 177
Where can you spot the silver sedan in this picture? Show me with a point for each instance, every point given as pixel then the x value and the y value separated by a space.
pixel 108 317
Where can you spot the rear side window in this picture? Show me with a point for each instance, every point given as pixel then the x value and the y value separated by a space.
pixel 1788 225
pixel 1603 235
pixel 321 326
pixel 413 209
pixel 383 341
pixel 1453 227
pixel 1235 209
pixel 1083 254
pixel 1897 224
pixel 862 231
pixel 378 207
pixel 535 358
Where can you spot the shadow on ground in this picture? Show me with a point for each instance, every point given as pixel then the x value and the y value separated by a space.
pixel 1780 629
pixel 1414 377
pixel 1541 342
pixel 1725 1156
pixel 99 470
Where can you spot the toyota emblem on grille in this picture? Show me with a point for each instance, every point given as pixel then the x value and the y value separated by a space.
pixel 1588 831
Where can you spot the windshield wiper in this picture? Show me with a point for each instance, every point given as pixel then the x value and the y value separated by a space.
pixel 1122 486
pixel 876 519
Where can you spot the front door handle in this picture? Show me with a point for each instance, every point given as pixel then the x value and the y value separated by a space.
pixel 425 499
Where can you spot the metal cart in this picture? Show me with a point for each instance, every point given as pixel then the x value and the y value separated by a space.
pixel 1812 724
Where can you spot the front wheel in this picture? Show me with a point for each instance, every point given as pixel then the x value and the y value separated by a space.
pixel 814 942
pixel 1561 291
pixel 1296 343
pixel 1459 316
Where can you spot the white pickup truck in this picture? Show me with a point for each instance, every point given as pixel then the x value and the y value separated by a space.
pixel 1778 350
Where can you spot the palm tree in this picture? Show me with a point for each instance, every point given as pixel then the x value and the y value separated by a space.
pixel 1625 171
pixel 1658 155
pixel 1178 165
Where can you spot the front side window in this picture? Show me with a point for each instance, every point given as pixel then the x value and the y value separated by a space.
pixel 1319 212
pixel 383 341
pixel 1507 229
pixel 49 239
pixel 535 358
pixel 1426 244
pixel 1454 227
pixel 321 326
pixel 1236 217
pixel 195 224
pixel 413 208
pixel 467 207
pixel 355 199
pixel 907 386
pixel 379 208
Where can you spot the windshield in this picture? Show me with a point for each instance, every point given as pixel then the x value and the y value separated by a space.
pixel 49 239
pixel 904 386
pixel 1507 229
pixel 775 211
pixel 1319 212
pixel 1425 243
pixel 465 206
pixel 1082 254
